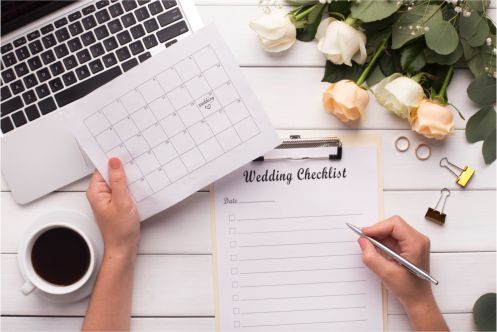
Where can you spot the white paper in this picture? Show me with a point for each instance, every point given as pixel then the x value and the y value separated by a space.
pixel 285 258
pixel 179 121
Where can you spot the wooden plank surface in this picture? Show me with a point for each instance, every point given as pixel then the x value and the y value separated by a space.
pixel 181 285
pixel 185 228
pixel 402 170
pixel 457 322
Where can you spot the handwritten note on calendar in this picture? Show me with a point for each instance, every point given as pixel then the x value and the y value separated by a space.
pixel 285 260
pixel 178 122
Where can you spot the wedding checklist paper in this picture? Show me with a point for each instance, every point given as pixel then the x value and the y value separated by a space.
pixel 284 258
pixel 178 122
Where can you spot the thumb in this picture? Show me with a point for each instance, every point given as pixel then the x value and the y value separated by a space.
pixel 117 180
pixel 374 260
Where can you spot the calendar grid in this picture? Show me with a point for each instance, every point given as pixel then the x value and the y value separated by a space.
pixel 173 123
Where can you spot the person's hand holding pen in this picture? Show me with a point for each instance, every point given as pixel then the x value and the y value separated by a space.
pixel 415 294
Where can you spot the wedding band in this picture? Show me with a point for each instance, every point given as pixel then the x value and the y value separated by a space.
pixel 402 147
pixel 420 155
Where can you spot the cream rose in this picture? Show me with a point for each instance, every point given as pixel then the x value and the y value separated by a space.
pixel 341 43
pixel 432 119
pixel 399 94
pixel 345 100
pixel 275 30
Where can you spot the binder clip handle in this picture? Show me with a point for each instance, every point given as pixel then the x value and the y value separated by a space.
pixel 444 199
pixel 445 163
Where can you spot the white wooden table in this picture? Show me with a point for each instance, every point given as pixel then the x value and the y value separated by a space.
pixel 173 284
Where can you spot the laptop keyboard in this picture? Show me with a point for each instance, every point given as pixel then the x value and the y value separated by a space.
pixel 67 59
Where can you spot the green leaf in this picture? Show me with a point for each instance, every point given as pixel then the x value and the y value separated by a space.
pixel 301 2
pixel 379 25
pixel 482 90
pixel 484 312
pixel 375 76
pixel 406 27
pixel 412 58
pixel 342 7
pixel 479 59
pixel 474 29
pixel 389 62
pixel 481 124
pixel 479 5
pixel 449 59
pixel 488 150
pixel 373 40
pixel 334 73
pixel 373 10
pixel 307 33
pixel 442 37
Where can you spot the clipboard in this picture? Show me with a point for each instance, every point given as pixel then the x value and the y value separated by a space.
pixel 296 142
pixel 291 150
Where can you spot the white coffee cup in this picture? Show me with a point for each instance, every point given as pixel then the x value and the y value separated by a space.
pixel 33 280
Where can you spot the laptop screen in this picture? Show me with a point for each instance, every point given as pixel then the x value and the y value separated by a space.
pixel 16 14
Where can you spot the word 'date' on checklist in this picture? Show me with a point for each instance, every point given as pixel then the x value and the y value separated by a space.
pixel 284 258
pixel 181 120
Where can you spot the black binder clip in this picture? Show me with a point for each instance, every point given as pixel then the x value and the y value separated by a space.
pixel 296 141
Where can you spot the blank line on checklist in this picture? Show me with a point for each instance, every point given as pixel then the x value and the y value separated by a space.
pixel 301 217
pixel 301 310
pixel 303 283
pixel 306 270
pixel 299 297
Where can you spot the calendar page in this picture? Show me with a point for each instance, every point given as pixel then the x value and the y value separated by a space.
pixel 179 121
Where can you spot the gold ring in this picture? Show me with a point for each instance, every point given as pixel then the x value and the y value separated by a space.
pixel 398 145
pixel 421 156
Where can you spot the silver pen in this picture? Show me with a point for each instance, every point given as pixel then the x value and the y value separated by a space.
pixel 402 261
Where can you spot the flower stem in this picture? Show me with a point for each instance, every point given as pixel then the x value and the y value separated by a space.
pixel 445 84
pixel 371 64
pixel 351 21
pixel 305 13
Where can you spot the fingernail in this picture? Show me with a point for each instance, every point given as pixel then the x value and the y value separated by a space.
pixel 362 243
pixel 114 163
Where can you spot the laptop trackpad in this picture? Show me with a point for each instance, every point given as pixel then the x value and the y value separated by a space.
pixel 42 157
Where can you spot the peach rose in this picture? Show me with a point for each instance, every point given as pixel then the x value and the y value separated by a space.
pixel 345 100
pixel 432 119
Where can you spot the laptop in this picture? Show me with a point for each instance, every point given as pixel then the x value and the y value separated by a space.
pixel 56 52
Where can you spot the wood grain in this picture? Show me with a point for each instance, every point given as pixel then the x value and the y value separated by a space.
pixel 181 285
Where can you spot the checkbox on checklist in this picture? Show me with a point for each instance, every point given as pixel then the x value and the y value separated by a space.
pixel 236 324
pixel 234 271
pixel 236 310
pixel 236 298
pixel 232 217
pixel 234 284
pixel 233 244
pixel 234 258
pixel 232 230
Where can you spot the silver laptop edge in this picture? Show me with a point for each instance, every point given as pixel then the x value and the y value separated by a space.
pixel 42 156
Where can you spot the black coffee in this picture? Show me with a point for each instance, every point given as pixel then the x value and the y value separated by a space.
pixel 60 256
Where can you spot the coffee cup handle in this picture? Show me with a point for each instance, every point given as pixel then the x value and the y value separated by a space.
pixel 27 288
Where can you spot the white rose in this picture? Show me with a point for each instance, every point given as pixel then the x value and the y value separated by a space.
pixel 275 30
pixel 399 94
pixel 341 43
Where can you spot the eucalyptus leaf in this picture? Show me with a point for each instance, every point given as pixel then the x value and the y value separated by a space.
pixel 474 29
pixel 301 2
pixel 482 90
pixel 373 40
pixel 373 10
pixel 450 59
pixel 481 124
pixel 480 60
pixel 488 150
pixel 379 25
pixel 334 73
pixel 308 31
pixel 479 5
pixel 406 27
pixel 412 58
pixel 442 37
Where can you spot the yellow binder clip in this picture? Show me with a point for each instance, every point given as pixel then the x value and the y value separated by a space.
pixel 463 177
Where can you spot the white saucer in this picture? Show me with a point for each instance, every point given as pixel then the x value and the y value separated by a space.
pixel 90 228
